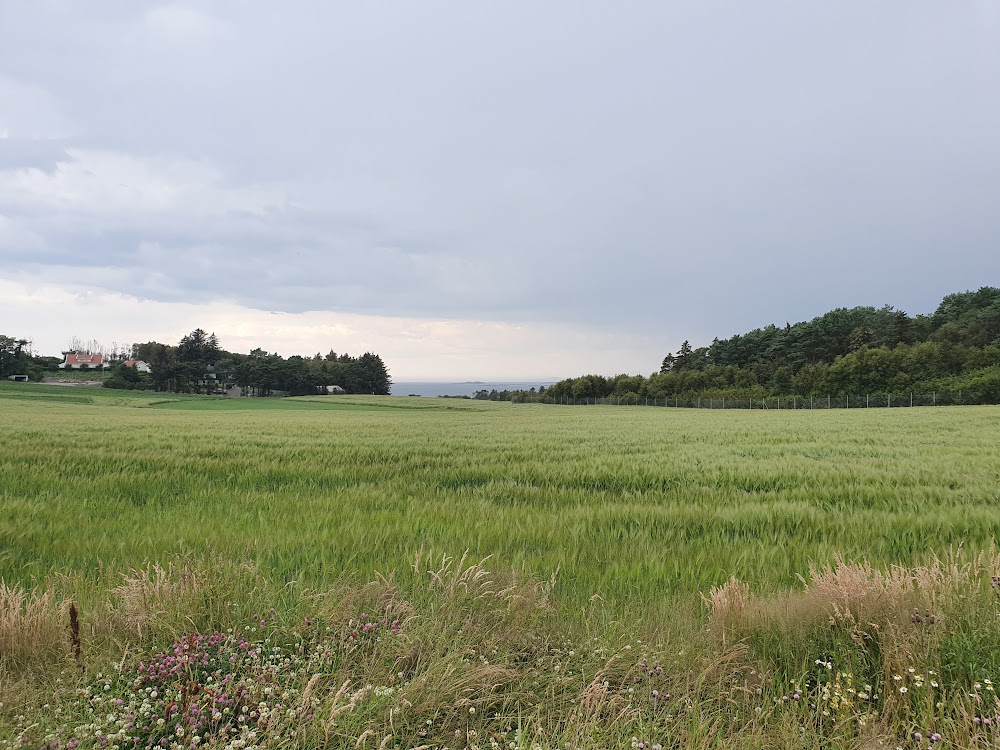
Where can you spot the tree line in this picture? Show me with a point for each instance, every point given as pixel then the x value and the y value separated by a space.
pixel 847 351
pixel 198 364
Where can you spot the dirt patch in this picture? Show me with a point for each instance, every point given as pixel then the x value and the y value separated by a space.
pixel 67 381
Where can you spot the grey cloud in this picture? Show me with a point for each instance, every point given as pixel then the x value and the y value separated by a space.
pixel 705 166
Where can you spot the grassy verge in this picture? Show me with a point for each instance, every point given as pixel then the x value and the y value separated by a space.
pixel 209 653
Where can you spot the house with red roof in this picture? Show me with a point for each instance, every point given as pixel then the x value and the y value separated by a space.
pixel 83 362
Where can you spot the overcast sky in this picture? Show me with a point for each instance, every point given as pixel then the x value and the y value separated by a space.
pixel 490 190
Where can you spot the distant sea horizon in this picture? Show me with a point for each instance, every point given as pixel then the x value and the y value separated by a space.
pixel 433 389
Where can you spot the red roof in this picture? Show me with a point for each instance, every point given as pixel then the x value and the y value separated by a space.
pixel 84 359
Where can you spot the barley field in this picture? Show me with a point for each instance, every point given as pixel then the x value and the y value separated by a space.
pixel 626 503
pixel 539 564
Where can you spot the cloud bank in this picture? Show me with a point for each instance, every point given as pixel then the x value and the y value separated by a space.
pixel 582 174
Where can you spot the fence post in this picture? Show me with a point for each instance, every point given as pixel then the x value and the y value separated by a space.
pixel 911 398
pixel 723 403
pixel 848 400
pixel 828 401
pixel 888 400
pixel 934 398
pixel 866 400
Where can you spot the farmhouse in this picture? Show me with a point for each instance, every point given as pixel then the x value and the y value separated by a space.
pixel 83 362
pixel 139 365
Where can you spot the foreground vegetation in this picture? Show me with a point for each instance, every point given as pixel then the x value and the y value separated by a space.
pixel 634 576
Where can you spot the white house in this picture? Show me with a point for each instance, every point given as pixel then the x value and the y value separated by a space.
pixel 83 362
pixel 139 365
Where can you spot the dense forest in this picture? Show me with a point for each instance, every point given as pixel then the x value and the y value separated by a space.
pixel 198 364
pixel 861 350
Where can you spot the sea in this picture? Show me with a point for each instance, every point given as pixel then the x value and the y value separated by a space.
pixel 467 388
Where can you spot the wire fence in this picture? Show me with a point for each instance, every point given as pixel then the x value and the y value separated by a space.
pixel 866 401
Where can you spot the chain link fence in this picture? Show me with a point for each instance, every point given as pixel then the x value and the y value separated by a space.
pixel 866 401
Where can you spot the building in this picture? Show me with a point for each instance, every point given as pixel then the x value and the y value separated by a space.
pixel 139 365
pixel 83 362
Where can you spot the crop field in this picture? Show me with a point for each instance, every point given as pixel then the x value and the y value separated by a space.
pixel 624 517
pixel 626 503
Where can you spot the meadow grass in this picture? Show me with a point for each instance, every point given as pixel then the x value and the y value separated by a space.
pixel 812 536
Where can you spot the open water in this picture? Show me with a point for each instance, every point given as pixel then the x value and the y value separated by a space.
pixel 433 390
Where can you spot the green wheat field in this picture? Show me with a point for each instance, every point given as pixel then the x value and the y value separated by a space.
pixel 736 550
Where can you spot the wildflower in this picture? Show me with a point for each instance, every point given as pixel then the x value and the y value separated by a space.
pixel 902 689
pixel 472 709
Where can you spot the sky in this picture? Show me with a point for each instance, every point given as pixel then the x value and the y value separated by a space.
pixel 494 190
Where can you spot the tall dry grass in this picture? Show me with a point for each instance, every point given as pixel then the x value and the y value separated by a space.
pixel 34 629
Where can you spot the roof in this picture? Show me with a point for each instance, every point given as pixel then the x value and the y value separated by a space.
pixel 84 359
pixel 134 363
